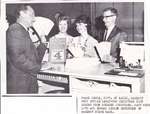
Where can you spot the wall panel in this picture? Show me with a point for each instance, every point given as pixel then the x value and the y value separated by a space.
pixel 131 15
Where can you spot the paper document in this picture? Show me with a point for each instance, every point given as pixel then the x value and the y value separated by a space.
pixel 103 49
pixel 132 52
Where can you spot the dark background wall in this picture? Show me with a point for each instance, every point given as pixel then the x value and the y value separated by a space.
pixel 49 9
pixel 131 15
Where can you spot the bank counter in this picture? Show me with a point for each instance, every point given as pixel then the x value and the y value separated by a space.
pixel 87 75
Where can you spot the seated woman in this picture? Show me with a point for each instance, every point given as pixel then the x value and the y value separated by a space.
pixel 63 25
pixel 83 45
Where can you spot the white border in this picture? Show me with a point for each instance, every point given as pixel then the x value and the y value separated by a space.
pixel 4 25
pixel 50 105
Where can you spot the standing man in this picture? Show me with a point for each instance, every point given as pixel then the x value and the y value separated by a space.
pixel 23 58
pixel 112 33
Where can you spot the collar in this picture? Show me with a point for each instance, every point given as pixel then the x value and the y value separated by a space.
pixel 110 28
pixel 23 26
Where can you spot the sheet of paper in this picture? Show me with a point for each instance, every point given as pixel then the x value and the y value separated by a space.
pixel 131 53
pixel 104 51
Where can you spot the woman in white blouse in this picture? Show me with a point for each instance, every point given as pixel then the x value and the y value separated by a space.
pixel 84 43
pixel 63 25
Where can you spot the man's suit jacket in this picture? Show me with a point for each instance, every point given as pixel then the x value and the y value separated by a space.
pixel 116 36
pixel 23 61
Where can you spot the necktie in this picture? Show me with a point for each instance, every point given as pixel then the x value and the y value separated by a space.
pixel 105 35
pixel 35 32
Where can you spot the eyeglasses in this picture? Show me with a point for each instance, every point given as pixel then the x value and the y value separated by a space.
pixel 108 16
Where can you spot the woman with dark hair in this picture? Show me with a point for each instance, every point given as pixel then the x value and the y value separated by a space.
pixel 84 43
pixel 63 25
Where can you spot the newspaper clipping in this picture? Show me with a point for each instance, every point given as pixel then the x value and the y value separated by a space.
pixel 75 56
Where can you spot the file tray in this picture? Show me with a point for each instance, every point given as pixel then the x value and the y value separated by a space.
pixel 126 72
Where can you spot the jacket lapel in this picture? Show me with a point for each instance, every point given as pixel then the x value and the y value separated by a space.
pixel 115 31
pixel 30 42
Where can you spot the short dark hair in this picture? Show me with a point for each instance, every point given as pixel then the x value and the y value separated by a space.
pixel 113 10
pixel 65 18
pixel 84 19
pixel 21 7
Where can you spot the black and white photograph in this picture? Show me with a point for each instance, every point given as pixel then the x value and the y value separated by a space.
pixel 95 53
pixel 90 48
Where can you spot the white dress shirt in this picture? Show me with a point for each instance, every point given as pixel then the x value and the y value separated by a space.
pixel 108 31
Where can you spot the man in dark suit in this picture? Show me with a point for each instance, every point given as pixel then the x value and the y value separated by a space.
pixel 23 58
pixel 112 33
